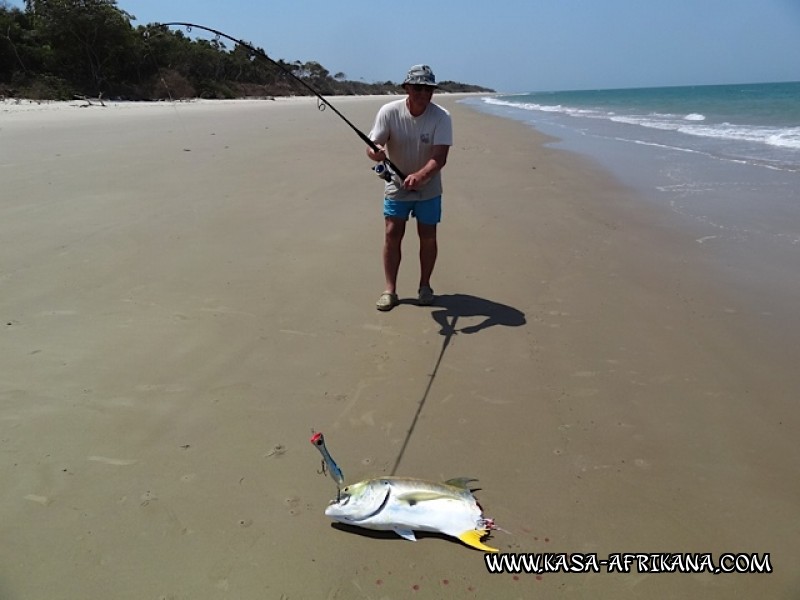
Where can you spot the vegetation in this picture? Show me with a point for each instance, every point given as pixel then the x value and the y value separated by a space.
pixel 59 49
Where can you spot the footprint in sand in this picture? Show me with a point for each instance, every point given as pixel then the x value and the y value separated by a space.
pixel 293 503
pixel 43 500
pixel 277 451
pixel 159 387
pixel 117 462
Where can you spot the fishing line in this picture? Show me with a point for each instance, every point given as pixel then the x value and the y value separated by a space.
pixel 322 102
pixel 152 55
pixel 448 337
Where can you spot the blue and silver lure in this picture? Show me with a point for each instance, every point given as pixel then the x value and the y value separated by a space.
pixel 328 464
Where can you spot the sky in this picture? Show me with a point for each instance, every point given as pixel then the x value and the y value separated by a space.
pixel 514 45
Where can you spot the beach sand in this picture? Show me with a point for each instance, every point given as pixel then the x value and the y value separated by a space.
pixel 187 290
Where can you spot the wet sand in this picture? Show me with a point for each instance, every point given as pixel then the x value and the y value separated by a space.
pixel 186 291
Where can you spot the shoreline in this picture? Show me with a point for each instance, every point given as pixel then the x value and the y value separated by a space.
pixel 744 215
pixel 187 295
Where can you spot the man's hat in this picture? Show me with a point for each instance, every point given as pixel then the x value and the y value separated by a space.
pixel 420 75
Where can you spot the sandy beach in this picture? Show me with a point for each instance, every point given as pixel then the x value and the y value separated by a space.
pixel 187 291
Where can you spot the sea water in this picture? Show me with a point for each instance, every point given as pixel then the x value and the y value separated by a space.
pixel 725 159
pixel 755 124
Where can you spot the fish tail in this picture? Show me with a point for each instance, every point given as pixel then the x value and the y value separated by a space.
pixel 472 537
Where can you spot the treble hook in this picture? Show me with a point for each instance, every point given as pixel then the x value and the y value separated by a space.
pixel 329 466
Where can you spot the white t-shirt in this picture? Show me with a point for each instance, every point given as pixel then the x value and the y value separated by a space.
pixel 409 144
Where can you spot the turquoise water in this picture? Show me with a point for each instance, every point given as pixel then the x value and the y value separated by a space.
pixel 725 160
pixel 755 123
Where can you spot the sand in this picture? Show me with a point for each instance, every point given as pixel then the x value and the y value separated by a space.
pixel 187 290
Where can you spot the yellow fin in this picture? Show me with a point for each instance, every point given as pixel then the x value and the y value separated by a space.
pixel 413 498
pixel 473 537
pixel 460 482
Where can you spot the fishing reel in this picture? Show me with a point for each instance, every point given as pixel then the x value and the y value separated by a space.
pixel 383 171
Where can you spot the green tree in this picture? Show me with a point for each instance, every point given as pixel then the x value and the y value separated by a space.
pixel 56 48
pixel 86 41
pixel 12 33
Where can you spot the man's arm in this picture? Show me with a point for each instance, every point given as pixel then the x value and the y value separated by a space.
pixel 435 163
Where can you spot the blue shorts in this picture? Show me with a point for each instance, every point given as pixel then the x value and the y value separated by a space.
pixel 427 212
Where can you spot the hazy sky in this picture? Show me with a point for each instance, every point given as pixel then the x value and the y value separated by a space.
pixel 515 45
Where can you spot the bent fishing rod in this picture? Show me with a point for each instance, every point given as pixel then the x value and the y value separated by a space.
pixel 382 172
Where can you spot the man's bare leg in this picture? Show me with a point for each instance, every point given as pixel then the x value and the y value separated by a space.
pixel 392 254
pixel 428 251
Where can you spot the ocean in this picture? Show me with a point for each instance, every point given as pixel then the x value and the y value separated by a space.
pixel 725 159
pixel 756 124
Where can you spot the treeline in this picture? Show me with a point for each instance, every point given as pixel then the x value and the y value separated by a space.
pixel 60 49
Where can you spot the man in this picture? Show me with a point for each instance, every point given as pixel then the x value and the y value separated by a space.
pixel 416 135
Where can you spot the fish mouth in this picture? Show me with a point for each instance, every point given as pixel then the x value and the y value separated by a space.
pixel 341 500
pixel 374 512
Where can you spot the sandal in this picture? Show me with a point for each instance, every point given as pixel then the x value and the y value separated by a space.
pixel 425 296
pixel 387 301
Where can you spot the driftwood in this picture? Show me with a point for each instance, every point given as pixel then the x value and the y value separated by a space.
pixel 88 100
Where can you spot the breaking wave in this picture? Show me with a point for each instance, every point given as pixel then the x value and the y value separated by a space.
pixel 694 124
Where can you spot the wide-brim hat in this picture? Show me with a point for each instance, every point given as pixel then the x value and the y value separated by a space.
pixel 420 75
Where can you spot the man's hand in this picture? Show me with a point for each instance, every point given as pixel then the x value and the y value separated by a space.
pixel 434 165
pixel 376 156
pixel 413 181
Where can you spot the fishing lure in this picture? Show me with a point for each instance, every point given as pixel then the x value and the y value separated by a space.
pixel 328 464
pixel 322 101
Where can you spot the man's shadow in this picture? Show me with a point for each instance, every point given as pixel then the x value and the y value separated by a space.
pixel 449 308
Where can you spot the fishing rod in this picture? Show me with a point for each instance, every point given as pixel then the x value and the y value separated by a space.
pixel 380 169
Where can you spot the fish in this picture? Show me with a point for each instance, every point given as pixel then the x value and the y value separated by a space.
pixel 328 464
pixel 406 504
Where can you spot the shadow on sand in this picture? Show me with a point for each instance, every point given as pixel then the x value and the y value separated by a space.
pixel 448 309
pixel 391 535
